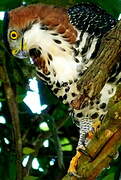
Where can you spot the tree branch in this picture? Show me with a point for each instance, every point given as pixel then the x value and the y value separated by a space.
pixel 107 140
pixel 11 100
pixel 97 74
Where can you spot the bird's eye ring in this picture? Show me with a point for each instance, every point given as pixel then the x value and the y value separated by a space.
pixel 13 35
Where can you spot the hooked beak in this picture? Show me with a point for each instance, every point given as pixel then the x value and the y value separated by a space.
pixel 21 52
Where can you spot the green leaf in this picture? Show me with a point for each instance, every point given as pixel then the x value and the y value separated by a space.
pixel 2 99
pixel 111 176
pixel 27 150
pixel 8 4
pixel 43 126
pixel 30 178
pixel 66 146
pixel 20 98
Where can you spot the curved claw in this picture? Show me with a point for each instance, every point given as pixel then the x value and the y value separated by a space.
pixel 72 171
pixel 73 164
pixel 74 174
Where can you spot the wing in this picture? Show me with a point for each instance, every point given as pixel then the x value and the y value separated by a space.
pixel 92 23
pixel 89 18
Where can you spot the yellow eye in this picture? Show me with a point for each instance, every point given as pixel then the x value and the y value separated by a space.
pixel 14 35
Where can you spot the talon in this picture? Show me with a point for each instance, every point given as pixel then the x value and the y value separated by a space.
pixel 73 164
pixel 74 174
pixel 116 155
pixel 85 152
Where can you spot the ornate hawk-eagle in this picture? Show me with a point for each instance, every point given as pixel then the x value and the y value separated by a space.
pixel 63 44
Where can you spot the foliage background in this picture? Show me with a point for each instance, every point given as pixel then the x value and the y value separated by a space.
pixel 62 134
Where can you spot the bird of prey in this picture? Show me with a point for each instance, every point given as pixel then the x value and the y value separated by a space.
pixel 63 44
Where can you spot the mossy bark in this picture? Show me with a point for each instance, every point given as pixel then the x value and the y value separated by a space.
pixel 107 140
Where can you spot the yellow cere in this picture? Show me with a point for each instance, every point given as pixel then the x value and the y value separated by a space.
pixel 15 51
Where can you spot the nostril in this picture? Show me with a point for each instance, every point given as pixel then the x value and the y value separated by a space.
pixel 34 52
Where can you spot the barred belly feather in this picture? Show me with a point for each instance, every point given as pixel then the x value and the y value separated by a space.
pixel 63 44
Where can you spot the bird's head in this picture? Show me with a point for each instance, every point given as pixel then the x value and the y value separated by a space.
pixel 23 27
pixel 16 43
pixel 16 23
